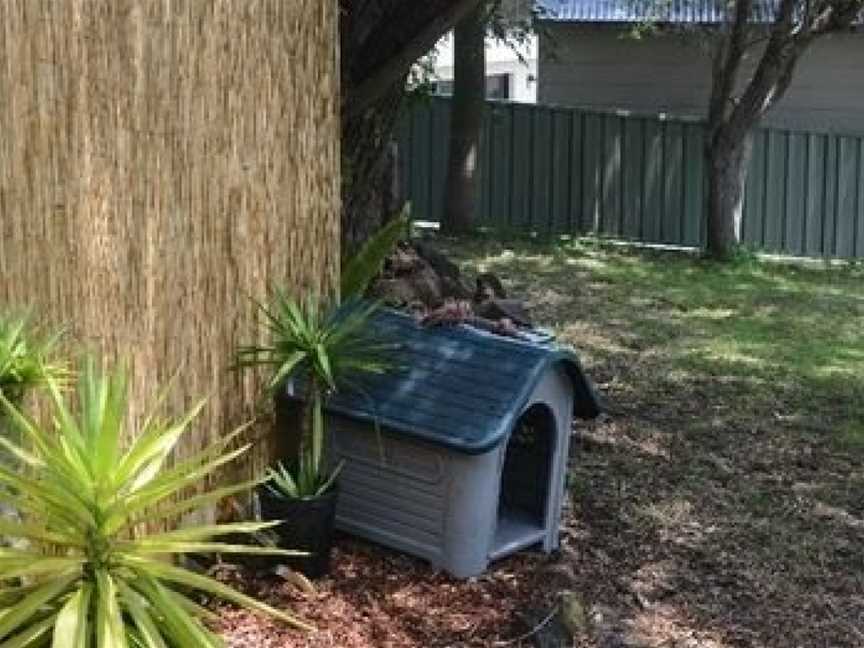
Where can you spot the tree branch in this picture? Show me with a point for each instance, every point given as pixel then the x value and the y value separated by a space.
pixel 727 63
pixel 791 34
pixel 834 15
pixel 368 90
pixel 779 53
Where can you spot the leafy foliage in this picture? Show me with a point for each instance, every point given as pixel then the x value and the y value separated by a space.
pixel 283 484
pixel 25 357
pixel 327 348
pixel 362 268
pixel 90 575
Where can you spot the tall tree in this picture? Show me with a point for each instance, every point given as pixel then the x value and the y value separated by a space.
pixel 469 96
pixel 381 40
pixel 737 105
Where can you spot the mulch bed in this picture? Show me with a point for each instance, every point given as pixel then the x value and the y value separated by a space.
pixel 376 597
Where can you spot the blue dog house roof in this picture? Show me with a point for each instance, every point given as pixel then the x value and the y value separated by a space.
pixel 457 386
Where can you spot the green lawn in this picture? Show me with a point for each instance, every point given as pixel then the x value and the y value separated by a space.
pixel 721 500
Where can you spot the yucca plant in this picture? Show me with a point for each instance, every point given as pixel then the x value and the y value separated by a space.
pixel 91 575
pixel 26 363
pixel 26 356
pixel 283 484
pixel 326 348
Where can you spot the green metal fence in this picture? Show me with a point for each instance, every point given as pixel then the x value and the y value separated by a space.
pixel 564 170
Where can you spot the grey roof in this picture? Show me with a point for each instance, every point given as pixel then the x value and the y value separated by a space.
pixel 457 387
pixel 634 11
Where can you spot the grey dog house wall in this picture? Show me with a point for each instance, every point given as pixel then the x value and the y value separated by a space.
pixel 436 480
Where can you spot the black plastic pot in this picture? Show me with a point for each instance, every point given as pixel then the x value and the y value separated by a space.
pixel 307 526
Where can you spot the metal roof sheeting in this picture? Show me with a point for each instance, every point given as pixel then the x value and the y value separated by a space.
pixel 636 11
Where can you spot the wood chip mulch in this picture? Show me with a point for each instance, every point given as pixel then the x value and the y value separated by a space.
pixel 376 597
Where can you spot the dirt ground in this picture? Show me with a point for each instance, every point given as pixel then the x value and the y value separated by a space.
pixel 717 504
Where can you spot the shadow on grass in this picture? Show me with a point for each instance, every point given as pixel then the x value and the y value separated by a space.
pixel 719 503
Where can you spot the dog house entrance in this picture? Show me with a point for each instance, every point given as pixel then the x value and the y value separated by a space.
pixel 525 482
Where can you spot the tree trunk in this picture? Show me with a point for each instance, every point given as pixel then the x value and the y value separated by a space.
pixel 169 162
pixel 728 163
pixel 380 41
pixel 469 95
pixel 367 174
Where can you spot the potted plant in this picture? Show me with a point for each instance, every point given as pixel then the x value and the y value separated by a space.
pixel 316 348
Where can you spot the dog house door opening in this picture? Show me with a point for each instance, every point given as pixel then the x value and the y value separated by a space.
pixel 525 481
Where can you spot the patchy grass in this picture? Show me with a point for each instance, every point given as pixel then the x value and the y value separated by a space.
pixel 721 500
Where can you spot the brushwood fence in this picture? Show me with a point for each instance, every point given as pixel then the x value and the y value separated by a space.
pixel 556 170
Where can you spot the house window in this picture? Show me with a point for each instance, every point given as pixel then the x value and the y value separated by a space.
pixel 497 86
pixel 444 87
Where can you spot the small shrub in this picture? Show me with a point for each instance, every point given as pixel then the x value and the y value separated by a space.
pixel 25 357
pixel 89 574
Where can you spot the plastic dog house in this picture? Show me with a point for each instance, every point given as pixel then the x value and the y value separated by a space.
pixel 469 461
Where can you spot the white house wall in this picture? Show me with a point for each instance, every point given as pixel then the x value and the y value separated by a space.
pixel 501 58
pixel 595 67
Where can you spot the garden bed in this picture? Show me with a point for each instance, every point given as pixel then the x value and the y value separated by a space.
pixel 376 597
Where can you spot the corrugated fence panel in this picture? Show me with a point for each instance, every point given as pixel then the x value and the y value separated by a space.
pixel 652 183
pixel 563 170
pixel 522 179
pixel 439 127
pixel 847 188
pixel 561 190
pixel 673 208
pixel 592 166
pixel 694 181
pixel 796 195
pixel 542 149
pixel 832 184
pixel 501 160
pixel 612 185
pixel 775 193
pixel 577 153
pixel 815 194
pixel 754 200
pixel 633 167
pixel 421 151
